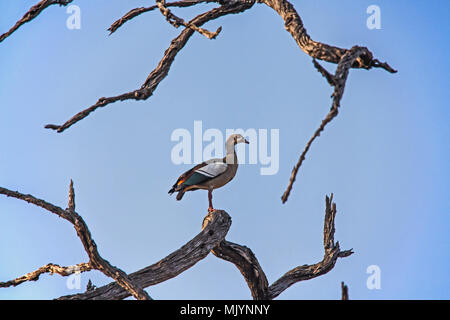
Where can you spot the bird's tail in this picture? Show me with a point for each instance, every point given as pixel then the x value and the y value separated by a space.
pixel 180 192
pixel 180 195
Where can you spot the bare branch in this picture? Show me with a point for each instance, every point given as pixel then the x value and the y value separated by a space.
pixel 177 22
pixel 211 239
pixel 339 80
pixel 306 272
pixel 38 202
pixel 49 268
pixel 33 13
pixel 324 73
pixel 138 11
pixel 214 232
pixel 95 260
pixel 294 25
pixel 161 71
pixel 244 259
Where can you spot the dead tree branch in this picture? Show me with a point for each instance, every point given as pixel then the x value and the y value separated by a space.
pixel 138 11
pixel 332 253
pixel 216 224
pixel 95 260
pixel 293 25
pixel 177 22
pixel 48 268
pixel 356 55
pixel 161 71
pixel 248 265
pixel 214 231
pixel 245 260
pixel 212 239
pixel 33 13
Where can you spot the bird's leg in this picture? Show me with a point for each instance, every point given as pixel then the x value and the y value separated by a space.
pixel 210 209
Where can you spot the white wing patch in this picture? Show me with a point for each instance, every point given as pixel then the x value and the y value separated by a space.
pixel 213 169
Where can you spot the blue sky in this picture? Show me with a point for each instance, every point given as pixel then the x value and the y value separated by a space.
pixel 385 157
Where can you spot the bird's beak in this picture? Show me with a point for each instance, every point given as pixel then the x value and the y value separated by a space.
pixel 246 141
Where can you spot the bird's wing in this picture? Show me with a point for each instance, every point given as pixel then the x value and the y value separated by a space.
pixel 213 169
pixel 201 173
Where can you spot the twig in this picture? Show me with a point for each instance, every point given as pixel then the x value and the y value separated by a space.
pixel 177 22
pixel 324 73
pixel 33 13
pixel 354 55
pixel 49 268
pixel 138 11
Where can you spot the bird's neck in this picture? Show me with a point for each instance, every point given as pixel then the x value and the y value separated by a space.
pixel 231 157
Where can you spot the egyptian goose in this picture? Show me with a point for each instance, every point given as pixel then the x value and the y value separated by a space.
pixel 211 174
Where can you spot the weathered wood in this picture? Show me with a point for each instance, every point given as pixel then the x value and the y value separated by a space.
pixel 248 265
pixel 182 259
pixel 95 260
pixel 285 9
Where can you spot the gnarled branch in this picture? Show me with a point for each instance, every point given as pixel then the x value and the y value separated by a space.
pixel 211 239
pixel 48 268
pixel 332 253
pixel 248 265
pixel 95 260
pixel 214 231
pixel 285 9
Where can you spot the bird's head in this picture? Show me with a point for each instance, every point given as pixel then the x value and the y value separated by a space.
pixel 237 138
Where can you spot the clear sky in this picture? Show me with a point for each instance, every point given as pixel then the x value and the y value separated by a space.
pixel 385 157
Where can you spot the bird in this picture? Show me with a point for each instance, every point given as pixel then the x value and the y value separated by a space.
pixel 211 174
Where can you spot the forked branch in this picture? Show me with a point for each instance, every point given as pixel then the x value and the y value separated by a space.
pixel 95 260
pixel 285 9
pixel 248 265
pixel 162 70
pixel 177 22
pixel 214 231
pixel 212 239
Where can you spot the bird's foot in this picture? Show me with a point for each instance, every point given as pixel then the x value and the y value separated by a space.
pixel 211 210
